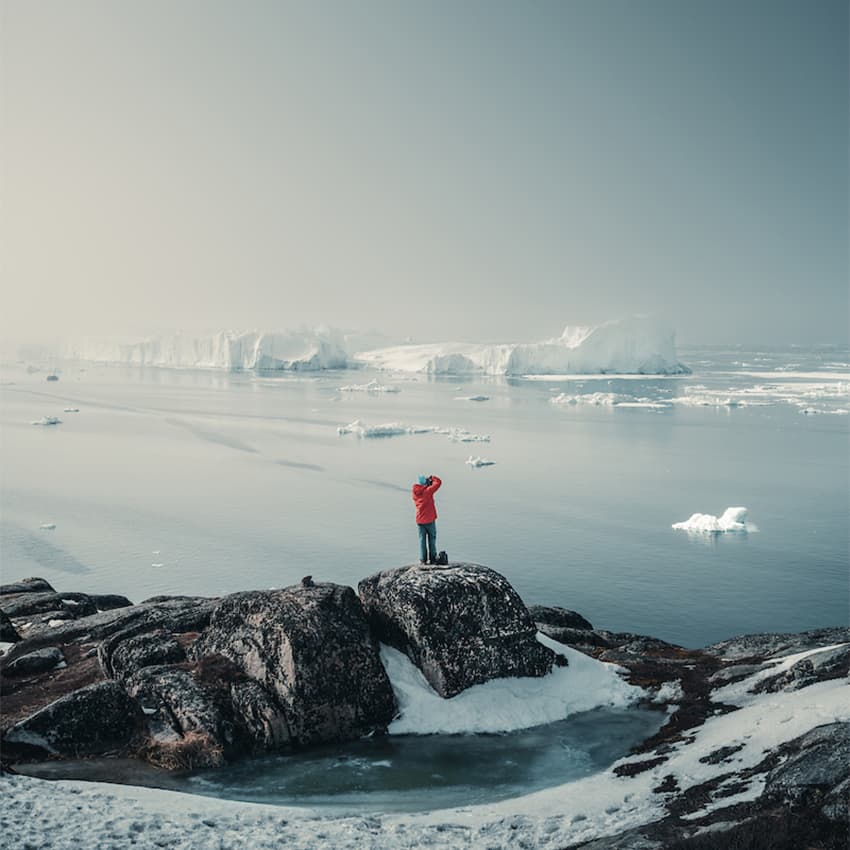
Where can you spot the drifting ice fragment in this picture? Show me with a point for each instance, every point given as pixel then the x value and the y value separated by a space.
pixel 48 420
pixel 477 462
pixel 733 519
pixel 48 526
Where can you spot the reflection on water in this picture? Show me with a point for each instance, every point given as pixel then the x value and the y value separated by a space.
pixel 400 773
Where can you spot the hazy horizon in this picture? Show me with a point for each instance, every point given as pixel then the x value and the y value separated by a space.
pixel 485 172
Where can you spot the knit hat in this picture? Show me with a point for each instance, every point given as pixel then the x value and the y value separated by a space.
pixel 423 479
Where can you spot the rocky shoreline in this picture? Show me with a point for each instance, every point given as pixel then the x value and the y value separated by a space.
pixel 188 682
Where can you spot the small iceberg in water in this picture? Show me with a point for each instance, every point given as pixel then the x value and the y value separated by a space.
pixel 732 519
pixel 48 420
pixel 477 462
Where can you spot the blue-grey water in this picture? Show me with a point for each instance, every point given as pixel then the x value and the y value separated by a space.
pixel 203 482
pixel 400 773
pixel 200 482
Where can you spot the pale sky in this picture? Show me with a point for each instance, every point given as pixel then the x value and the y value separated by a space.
pixel 484 170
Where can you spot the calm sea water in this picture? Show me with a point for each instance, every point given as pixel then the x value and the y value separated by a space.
pixel 198 482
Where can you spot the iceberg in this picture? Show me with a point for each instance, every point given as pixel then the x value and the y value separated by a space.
pixel 233 350
pixel 639 345
pixel 733 519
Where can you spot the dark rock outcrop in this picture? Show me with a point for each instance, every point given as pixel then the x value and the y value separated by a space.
pixel 818 667
pixel 31 603
pixel 184 614
pixel 461 624
pixel 134 653
pixel 80 604
pixel 109 601
pixel 94 720
pixel 759 646
pixel 35 662
pixel 190 725
pixel 561 618
pixel 8 632
pixel 26 585
pixel 311 650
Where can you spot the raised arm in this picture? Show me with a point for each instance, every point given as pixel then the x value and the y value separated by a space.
pixel 436 483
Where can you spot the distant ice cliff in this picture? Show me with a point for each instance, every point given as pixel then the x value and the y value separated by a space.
pixel 638 345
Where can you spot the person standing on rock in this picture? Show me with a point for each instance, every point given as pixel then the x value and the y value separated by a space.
pixel 426 516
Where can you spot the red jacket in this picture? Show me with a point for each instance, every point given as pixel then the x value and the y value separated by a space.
pixel 423 498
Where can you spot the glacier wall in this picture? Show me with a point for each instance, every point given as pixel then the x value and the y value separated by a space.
pixel 291 350
pixel 638 345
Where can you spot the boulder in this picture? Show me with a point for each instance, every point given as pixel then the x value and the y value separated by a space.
pixel 80 604
pixel 188 614
pixel 94 720
pixel 30 603
pixel 120 659
pixel 8 632
pixel 461 624
pixel 311 650
pixel 818 667
pixel 816 773
pixel 561 618
pixel 259 716
pixel 761 646
pixel 35 662
pixel 108 601
pixel 190 725
pixel 26 585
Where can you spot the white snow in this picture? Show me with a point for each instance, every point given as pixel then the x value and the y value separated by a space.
pixel 669 692
pixel 47 420
pixel 732 519
pixel 87 814
pixel 636 345
pixel 503 705
pixel 4 646
pixel 477 462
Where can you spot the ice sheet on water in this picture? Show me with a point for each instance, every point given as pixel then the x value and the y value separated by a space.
pixel 477 462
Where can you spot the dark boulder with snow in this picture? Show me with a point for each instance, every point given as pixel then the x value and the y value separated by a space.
pixel 461 624
pixel 559 618
pixel 310 649
pixel 80 604
pixel 94 720
pixel 759 646
pixel 109 601
pixel 35 662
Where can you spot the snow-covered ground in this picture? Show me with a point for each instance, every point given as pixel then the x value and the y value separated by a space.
pixel 70 814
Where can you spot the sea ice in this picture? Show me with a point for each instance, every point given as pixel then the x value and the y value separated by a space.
pixel 472 398
pixel 371 387
pixel 733 519
pixel 71 410
pixel 48 526
pixel 477 462
pixel 48 420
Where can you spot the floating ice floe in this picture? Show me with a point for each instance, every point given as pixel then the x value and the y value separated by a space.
pixel 371 387
pixel 472 398
pixel 48 526
pixel 71 410
pixel 459 435
pixel 733 519
pixel 48 420
pixel 596 399
pixel 388 429
pixel 477 462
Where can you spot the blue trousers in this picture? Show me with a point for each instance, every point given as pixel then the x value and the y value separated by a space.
pixel 427 540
